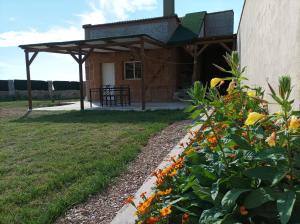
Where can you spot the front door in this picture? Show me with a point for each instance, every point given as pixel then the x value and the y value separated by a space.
pixel 108 74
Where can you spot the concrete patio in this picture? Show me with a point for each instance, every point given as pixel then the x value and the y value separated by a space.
pixel 133 107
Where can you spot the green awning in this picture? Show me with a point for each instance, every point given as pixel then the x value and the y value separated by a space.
pixel 189 29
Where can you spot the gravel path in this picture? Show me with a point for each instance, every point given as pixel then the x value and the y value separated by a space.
pixel 101 208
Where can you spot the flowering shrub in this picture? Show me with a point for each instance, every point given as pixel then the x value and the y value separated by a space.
pixel 243 164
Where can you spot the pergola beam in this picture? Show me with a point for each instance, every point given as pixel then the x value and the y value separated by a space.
pixel 225 46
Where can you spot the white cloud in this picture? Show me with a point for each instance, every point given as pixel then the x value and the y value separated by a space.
pixel 100 11
pixel 15 38
pixel 12 19
pixel 110 10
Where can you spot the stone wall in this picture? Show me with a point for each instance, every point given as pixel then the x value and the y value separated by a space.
pixel 269 42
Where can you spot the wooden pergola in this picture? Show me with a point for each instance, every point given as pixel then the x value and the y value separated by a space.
pixel 196 47
pixel 80 50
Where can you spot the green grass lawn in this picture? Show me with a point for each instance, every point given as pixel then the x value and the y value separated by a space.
pixel 50 161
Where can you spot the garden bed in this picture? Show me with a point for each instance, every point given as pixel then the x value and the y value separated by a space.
pixel 242 166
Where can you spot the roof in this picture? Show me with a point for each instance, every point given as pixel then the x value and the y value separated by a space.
pixel 103 45
pixel 132 21
pixel 189 29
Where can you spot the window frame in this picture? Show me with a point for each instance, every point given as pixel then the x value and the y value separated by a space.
pixel 134 70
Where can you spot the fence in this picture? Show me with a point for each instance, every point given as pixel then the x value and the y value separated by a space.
pixel 17 89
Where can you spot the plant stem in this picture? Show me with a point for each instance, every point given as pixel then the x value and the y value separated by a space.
pixel 218 140
pixel 288 147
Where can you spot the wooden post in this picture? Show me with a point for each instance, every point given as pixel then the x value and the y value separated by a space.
pixel 27 60
pixel 143 96
pixel 195 67
pixel 80 62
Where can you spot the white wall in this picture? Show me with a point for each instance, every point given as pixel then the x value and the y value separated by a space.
pixel 269 42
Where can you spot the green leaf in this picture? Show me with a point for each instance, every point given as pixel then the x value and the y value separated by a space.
pixel 296 113
pixel 269 153
pixel 204 176
pixel 285 205
pixel 195 114
pixel 258 197
pixel 190 108
pixel 202 192
pixel 242 142
pixel 211 215
pixel 231 196
pixel 215 189
pixel 267 173
pixel 184 210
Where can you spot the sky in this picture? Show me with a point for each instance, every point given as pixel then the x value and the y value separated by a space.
pixel 38 21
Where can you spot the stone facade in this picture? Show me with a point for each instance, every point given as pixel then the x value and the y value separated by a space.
pixel 269 42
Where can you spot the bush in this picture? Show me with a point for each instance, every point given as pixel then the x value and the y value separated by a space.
pixel 64 85
pixel 3 85
pixel 242 166
pixel 35 85
pixel 20 84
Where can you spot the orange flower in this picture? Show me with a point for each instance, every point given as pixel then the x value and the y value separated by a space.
pixel 129 200
pixel 165 211
pixel 243 210
pixel 289 177
pixel 152 220
pixel 212 139
pixel 188 152
pixel 173 173
pixel 185 218
pixel 232 156
pixel 166 192
pixel 244 134
pixel 142 208
pixel 143 195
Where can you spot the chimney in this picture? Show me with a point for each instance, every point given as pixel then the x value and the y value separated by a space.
pixel 169 8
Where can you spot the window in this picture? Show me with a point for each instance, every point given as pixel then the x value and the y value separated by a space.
pixel 133 70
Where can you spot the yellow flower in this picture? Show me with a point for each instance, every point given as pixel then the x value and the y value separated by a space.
pixel 231 87
pixel 294 123
pixel 165 211
pixel 271 140
pixel 279 113
pixel 214 82
pixel 251 93
pixel 254 117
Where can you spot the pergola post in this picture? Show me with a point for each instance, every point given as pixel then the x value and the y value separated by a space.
pixel 28 62
pixel 143 95
pixel 195 53
pixel 195 67
pixel 80 62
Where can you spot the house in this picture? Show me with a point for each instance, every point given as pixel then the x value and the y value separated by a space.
pixel 147 60
pixel 269 43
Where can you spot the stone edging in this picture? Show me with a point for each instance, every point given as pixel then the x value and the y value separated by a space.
pixel 126 214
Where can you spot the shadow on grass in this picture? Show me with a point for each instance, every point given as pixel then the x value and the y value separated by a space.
pixel 106 117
